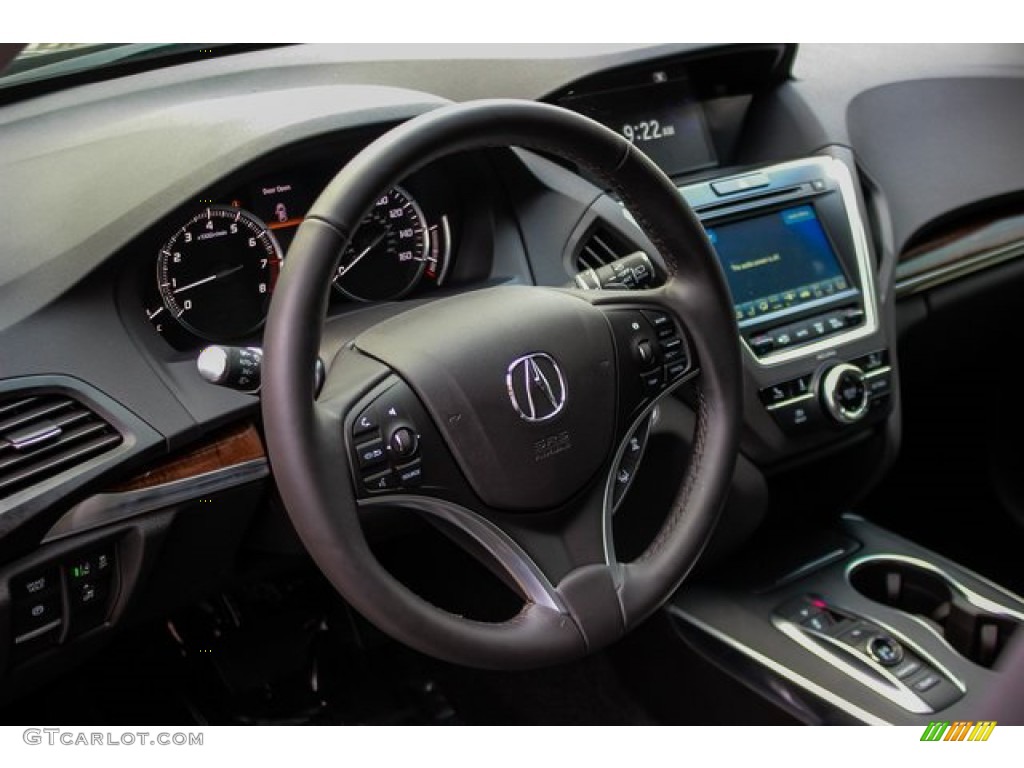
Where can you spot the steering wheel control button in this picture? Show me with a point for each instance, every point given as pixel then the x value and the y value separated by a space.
pixel 403 442
pixel 653 382
pixel 661 323
pixel 675 370
pixel 844 393
pixel 670 344
pixel 629 463
pixel 371 453
pixel 382 481
pixel 411 475
pixel 885 650
pixel 643 351
pixel 365 423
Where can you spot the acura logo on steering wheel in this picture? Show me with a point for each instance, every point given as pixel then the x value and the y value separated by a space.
pixel 536 387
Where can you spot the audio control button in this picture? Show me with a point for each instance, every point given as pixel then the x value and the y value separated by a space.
pixel 844 393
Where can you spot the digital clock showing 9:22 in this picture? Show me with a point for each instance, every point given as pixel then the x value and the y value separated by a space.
pixel 647 130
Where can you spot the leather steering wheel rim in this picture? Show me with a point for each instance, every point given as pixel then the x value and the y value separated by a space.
pixel 597 602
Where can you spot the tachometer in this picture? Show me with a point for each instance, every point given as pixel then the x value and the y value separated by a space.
pixel 388 251
pixel 216 274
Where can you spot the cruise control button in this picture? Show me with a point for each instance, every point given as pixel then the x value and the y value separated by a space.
pixel 661 323
pixel 673 343
pixel 371 453
pixel 675 370
pixel 673 355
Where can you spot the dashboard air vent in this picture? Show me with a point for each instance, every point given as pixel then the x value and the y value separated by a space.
pixel 602 246
pixel 44 434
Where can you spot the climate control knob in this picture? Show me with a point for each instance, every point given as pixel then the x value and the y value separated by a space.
pixel 844 393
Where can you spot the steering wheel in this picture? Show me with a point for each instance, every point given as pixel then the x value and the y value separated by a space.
pixel 504 414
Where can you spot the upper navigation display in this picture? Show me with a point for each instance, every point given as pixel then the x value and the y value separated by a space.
pixel 662 119
pixel 776 261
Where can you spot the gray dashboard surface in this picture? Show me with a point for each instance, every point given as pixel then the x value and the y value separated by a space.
pixel 88 168
pixel 938 146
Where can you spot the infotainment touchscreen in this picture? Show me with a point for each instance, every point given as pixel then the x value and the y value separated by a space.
pixel 777 261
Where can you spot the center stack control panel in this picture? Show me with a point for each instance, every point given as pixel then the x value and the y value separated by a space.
pixel 793 249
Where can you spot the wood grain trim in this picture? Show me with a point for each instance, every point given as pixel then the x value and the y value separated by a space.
pixel 235 445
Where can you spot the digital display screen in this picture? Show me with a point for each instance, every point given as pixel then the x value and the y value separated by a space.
pixel 282 201
pixel 777 261
pixel 662 119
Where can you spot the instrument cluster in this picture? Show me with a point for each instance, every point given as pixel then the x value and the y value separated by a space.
pixel 218 262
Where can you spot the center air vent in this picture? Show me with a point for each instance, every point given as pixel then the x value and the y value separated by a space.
pixel 45 434
pixel 602 246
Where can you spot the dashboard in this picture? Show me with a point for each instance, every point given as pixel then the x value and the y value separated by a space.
pixel 148 217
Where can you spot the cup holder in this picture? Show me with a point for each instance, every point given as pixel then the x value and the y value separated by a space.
pixel 977 634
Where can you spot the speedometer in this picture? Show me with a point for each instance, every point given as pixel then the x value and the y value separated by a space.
pixel 388 251
pixel 216 274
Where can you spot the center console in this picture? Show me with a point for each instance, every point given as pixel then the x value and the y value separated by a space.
pixel 856 624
